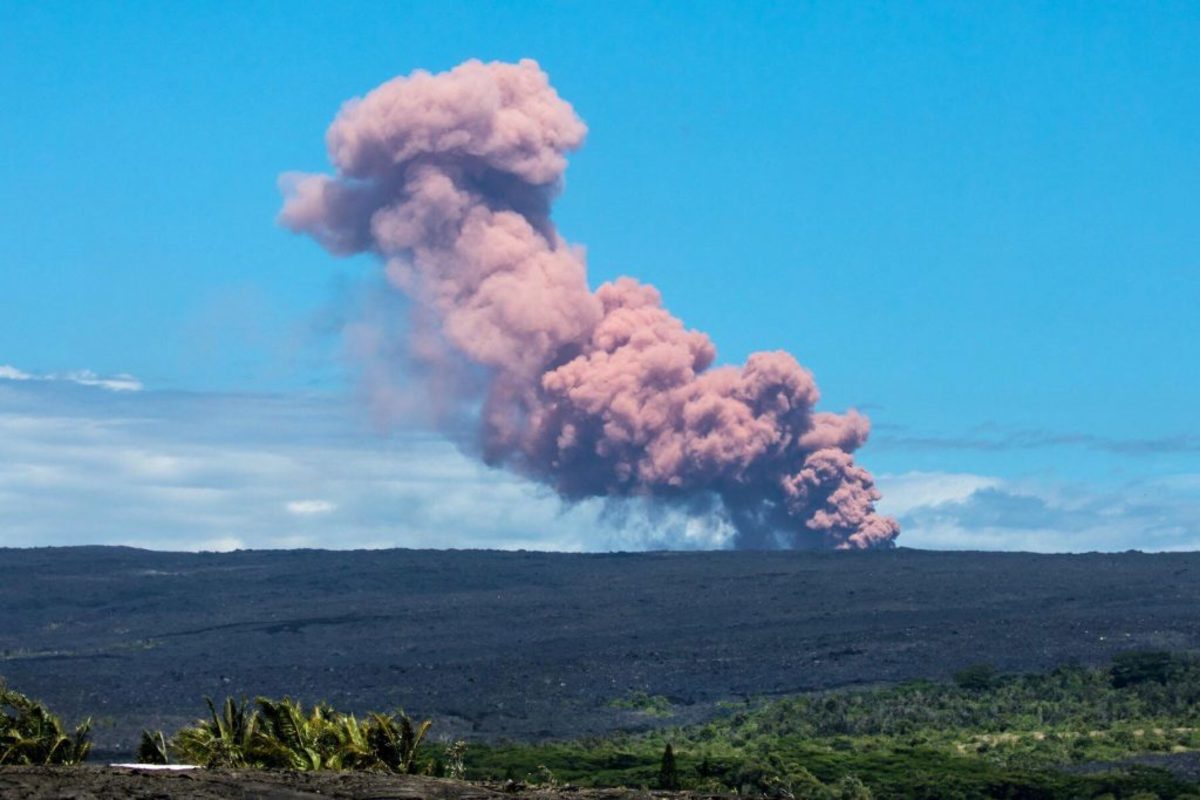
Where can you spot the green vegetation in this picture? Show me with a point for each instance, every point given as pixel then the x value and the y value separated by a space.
pixel 153 748
pixel 668 771
pixel 280 734
pixel 985 735
pixel 30 734
pixel 654 705
pixel 978 677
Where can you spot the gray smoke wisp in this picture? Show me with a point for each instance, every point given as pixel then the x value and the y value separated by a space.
pixel 448 179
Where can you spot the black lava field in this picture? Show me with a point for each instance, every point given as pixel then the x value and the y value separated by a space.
pixel 526 645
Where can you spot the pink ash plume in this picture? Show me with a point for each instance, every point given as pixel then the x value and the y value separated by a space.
pixel 448 179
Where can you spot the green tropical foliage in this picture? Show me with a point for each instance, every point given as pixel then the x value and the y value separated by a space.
pixel 30 734
pixel 152 749
pixel 652 705
pixel 280 734
pixel 288 738
pixel 225 739
pixel 984 735
pixel 395 741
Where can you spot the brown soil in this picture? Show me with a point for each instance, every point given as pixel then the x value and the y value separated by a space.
pixel 110 783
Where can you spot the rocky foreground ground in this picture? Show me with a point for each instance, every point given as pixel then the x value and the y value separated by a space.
pixel 95 782
pixel 109 783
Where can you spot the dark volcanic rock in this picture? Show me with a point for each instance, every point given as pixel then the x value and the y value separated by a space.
pixel 1185 766
pixel 104 783
pixel 534 645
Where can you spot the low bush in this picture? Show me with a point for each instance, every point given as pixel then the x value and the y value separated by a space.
pixel 280 734
pixel 30 734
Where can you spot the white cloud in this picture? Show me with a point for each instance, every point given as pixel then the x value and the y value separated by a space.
pixel 911 490
pixel 225 544
pixel 307 508
pixel 115 383
pixel 188 471
pixel 971 512
pixel 10 373
pixel 216 472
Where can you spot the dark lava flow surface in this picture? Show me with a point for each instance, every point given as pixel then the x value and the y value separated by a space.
pixel 530 645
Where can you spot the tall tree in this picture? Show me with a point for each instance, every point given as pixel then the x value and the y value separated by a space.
pixel 668 772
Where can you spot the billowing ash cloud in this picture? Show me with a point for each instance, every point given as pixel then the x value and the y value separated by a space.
pixel 449 178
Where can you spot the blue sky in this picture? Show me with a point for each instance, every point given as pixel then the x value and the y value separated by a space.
pixel 977 223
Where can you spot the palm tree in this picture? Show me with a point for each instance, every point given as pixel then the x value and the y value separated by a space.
pixel 225 739
pixel 394 740
pixel 152 749
pixel 279 734
pixel 30 734
pixel 288 739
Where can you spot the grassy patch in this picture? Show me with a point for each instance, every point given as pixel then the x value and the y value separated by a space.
pixel 654 705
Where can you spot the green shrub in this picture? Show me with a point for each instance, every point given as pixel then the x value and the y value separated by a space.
pixel 152 748
pixel 225 739
pixel 30 734
pixel 977 677
pixel 654 705
pixel 280 734
pixel 851 788
pixel 1137 667
pixel 920 740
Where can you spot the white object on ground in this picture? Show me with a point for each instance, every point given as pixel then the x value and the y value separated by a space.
pixel 170 767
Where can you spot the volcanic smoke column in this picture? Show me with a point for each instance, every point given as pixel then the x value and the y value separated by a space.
pixel 448 179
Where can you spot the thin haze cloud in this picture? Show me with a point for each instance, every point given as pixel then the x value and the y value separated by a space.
pixel 1034 439
pixel 114 383
pixel 308 508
